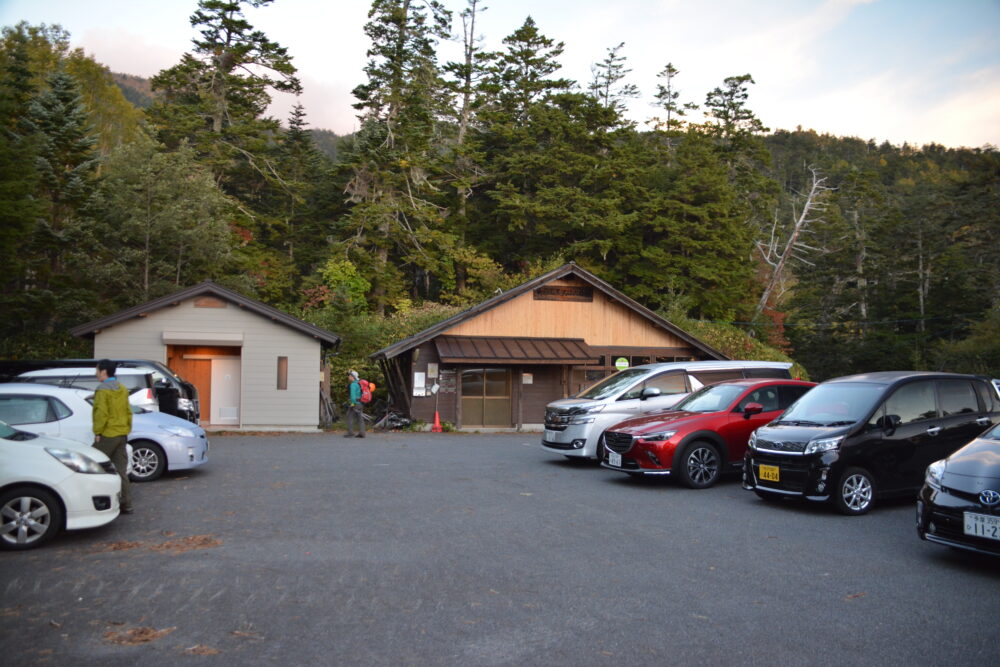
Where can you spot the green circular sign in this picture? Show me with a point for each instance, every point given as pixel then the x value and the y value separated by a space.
pixel 621 363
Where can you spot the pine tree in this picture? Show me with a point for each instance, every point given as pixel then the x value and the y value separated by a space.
pixel 607 85
pixel 395 226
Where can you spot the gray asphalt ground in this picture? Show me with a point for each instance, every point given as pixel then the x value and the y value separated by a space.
pixel 456 549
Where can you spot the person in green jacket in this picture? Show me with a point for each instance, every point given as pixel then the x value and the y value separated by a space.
pixel 355 410
pixel 112 424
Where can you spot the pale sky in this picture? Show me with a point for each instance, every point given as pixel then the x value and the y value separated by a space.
pixel 919 71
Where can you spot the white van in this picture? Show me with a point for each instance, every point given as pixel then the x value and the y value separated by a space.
pixel 139 382
pixel 574 425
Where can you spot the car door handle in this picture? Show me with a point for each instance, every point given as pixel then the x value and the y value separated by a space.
pixel 983 421
pixel 933 430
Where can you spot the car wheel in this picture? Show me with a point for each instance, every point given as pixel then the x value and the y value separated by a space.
pixel 600 450
pixel 700 465
pixel 855 492
pixel 29 517
pixel 148 461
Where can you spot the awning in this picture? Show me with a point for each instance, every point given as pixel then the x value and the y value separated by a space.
pixel 485 349
pixel 202 338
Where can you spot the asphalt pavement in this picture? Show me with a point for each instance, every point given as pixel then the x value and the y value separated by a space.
pixel 481 549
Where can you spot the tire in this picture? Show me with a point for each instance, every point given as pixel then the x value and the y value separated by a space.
pixel 599 450
pixel 700 465
pixel 855 492
pixel 29 517
pixel 148 461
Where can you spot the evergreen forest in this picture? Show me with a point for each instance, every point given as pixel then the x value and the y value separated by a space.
pixel 469 177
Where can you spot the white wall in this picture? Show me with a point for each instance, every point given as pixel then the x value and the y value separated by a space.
pixel 263 342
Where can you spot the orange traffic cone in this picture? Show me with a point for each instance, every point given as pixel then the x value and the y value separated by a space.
pixel 437 423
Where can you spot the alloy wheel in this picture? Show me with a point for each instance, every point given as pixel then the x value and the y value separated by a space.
pixel 857 492
pixel 703 466
pixel 25 519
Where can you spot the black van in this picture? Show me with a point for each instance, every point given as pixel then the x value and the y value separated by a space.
pixel 855 438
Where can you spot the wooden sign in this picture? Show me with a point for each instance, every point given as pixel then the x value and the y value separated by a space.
pixel 564 293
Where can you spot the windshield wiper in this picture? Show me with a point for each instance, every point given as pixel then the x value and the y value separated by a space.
pixel 846 422
pixel 799 422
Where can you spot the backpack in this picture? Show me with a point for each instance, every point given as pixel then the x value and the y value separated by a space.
pixel 366 390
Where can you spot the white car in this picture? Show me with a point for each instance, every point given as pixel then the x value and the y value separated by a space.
pixel 159 441
pixel 50 484
pixel 140 383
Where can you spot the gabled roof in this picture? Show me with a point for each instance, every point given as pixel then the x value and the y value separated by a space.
pixel 208 288
pixel 563 271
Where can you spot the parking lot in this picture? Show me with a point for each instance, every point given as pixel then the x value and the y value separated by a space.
pixel 458 549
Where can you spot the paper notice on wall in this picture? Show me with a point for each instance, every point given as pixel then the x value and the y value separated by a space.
pixel 432 370
pixel 419 384
pixel 527 378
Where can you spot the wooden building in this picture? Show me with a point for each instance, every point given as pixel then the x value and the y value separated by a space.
pixel 255 367
pixel 497 364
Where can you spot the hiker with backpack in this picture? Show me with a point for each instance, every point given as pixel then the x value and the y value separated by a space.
pixel 359 392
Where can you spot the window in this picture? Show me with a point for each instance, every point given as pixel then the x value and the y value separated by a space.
pixel 766 396
pixel 282 373
pixel 912 402
pixel 486 397
pixel 957 397
pixel 710 377
pixel 667 383
pixel 766 373
pixel 788 394
pixel 17 410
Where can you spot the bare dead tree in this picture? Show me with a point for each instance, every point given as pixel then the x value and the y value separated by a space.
pixel 777 255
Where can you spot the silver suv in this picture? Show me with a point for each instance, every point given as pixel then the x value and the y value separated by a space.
pixel 573 426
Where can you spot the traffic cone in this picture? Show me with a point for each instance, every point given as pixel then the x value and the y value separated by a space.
pixel 437 423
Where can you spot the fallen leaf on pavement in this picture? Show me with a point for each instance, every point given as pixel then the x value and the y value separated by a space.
pixel 136 636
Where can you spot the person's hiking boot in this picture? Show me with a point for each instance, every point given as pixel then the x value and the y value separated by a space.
pixel 350 435
pixel 360 435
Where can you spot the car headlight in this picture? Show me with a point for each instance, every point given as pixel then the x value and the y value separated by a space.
pixel 76 461
pixel 185 404
pixel 178 431
pixel 659 436
pixel 935 472
pixel 752 442
pixel 580 420
pixel 824 445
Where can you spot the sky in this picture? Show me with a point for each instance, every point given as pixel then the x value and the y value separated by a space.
pixel 916 71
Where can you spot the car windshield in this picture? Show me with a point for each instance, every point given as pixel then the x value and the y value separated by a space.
pixel 7 432
pixel 834 404
pixel 613 384
pixel 992 434
pixel 710 399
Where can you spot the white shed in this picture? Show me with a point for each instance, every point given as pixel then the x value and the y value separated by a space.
pixel 255 367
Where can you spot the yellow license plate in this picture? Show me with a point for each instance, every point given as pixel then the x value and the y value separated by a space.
pixel 769 473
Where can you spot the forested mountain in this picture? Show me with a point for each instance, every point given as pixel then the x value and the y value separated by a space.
pixel 471 176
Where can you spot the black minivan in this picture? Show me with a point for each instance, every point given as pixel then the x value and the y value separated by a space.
pixel 855 438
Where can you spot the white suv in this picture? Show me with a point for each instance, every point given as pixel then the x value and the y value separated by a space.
pixel 48 484
pixel 573 426
pixel 139 382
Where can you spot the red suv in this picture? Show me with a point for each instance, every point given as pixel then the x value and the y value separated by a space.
pixel 703 435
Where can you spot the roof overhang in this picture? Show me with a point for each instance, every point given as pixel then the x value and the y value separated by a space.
pixel 506 350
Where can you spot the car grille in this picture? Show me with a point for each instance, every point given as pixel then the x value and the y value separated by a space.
pixel 109 467
pixel 780 446
pixel 794 473
pixel 949 524
pixel 556 420
pixel 617 442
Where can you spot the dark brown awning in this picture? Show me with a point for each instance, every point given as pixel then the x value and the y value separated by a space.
pixel 486 349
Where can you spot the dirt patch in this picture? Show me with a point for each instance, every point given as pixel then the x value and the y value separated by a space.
pixel 191 543
pixel 122 545
pixel 198 649
pixel 136 636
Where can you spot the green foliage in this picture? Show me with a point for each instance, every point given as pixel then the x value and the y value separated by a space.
pixel 978 353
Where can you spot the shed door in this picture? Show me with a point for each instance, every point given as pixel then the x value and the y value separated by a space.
pixel 486 397
pixel 225 391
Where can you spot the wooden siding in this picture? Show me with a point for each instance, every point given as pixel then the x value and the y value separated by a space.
pixel 602 322
pixel 264 341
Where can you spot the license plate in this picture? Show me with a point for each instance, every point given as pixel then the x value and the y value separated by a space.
pixel 982 525
pixel 769 473
pixel 614 459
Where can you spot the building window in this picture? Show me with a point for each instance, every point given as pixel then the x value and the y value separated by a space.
pixel 282 372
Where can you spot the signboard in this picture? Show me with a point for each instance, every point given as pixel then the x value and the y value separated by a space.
pixel 564 293
pixel 432 370
pixel 527 378
pixel 447 381
pixel 621 363
pixel 419 384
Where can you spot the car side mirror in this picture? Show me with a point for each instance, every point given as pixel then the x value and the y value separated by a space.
pixel 649 392
pixel 889 423
pixel 752 409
